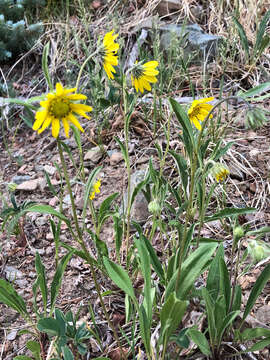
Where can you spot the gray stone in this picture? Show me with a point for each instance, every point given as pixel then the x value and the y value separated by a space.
pixel 193 39
pixel 42 220
pixel 67 200
pixel 50 169
pixel 29 185
pixel 94 154
pixel 116 157
pixel 12 273
pixel 139 210
pixel 12 335
pixel 19 179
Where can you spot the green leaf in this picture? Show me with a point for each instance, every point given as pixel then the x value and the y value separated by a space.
pixel 260 345
pixel 171 315
pixel 67 353
pixel 226 322
pixel 255 91
pixel 191 269
pixel 46 209
pixel 221 152
pixel 105 208
pixel 182 168
pixel 57 279
pixel 144 328
pixel 225 284
pixel 118 233
pixel 250 334
pixel 40 269
pixel 154 258
pixel 200 340
pixel 22 357
pixel 256 290
pixel 210 306
pixel 50 185
pixel 261 32
pixel 228 212
pixel 50 326
pixel 243 36
pixel 213 279
pixel 182 117
pixel 33 346
pixel 45 67
pixel 10 297
pixel 237 298
pixel 119 276
pixel 262 230
pixel 123 148
pixel 146 271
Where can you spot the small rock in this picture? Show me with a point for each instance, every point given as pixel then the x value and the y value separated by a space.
pixel 22 283
pixel 12 273
pixel 30 185
pixel 165 7
pixel 263 314
pixel 116 157
pixel 42 220
pixel 49 236
pixel 49 250
pixel 67 200
pixel 139 210
pixel 50 169
pixel 12 335
pixel 22 169
pixel 19 179
pixel 53 201
pixel 79 203
pixel 94 154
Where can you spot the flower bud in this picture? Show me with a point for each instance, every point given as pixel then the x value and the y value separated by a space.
pixel 238 232
pixel 154 207
pixel 220 172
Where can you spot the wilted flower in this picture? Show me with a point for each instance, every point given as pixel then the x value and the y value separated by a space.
pixel 199 111
pixel 143 75
pixel 109 52
pixel 60 107
pixel 96 189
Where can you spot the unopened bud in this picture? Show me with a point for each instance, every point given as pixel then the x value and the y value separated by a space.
pixel 154 207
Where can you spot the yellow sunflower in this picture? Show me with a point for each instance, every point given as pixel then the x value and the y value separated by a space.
pixel 109 52
pixel 96 189
pixel 199 111
pixel 59 106
pixel 143 75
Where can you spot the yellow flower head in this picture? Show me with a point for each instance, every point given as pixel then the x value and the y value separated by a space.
pixel 143 75
pixel 199 111
pixel 220 172
pixel 109 52
pixel 60 107
pixel 96 189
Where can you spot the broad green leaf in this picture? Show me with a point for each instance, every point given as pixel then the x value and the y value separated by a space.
pixel 262 230
pixel 191 269
pixel 171 315
pixel 57 279
pixel 122 147
pixel 213 279
pixel 47 209
pixel 120 277
pixel 50 185
pixel 200 340
pixel 40 269
pixel 33 346
pixel 144 328
pixel 226 322
pixel 10 297
pixel 67 353
pixel 256 290
pixel 228 212
pixel 118 233
pixel 210 315
pixel 237 300
pixel 49 326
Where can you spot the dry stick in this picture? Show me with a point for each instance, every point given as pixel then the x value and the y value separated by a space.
pixel 84 248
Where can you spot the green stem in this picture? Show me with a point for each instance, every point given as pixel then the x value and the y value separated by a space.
pixel 84 64
pixel 79 239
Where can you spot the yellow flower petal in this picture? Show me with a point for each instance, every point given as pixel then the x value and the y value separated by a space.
pixel 66 126
pixel 47 123
pixel 75 122
pixel 40 117
pixel 55 127
pixel 59 89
